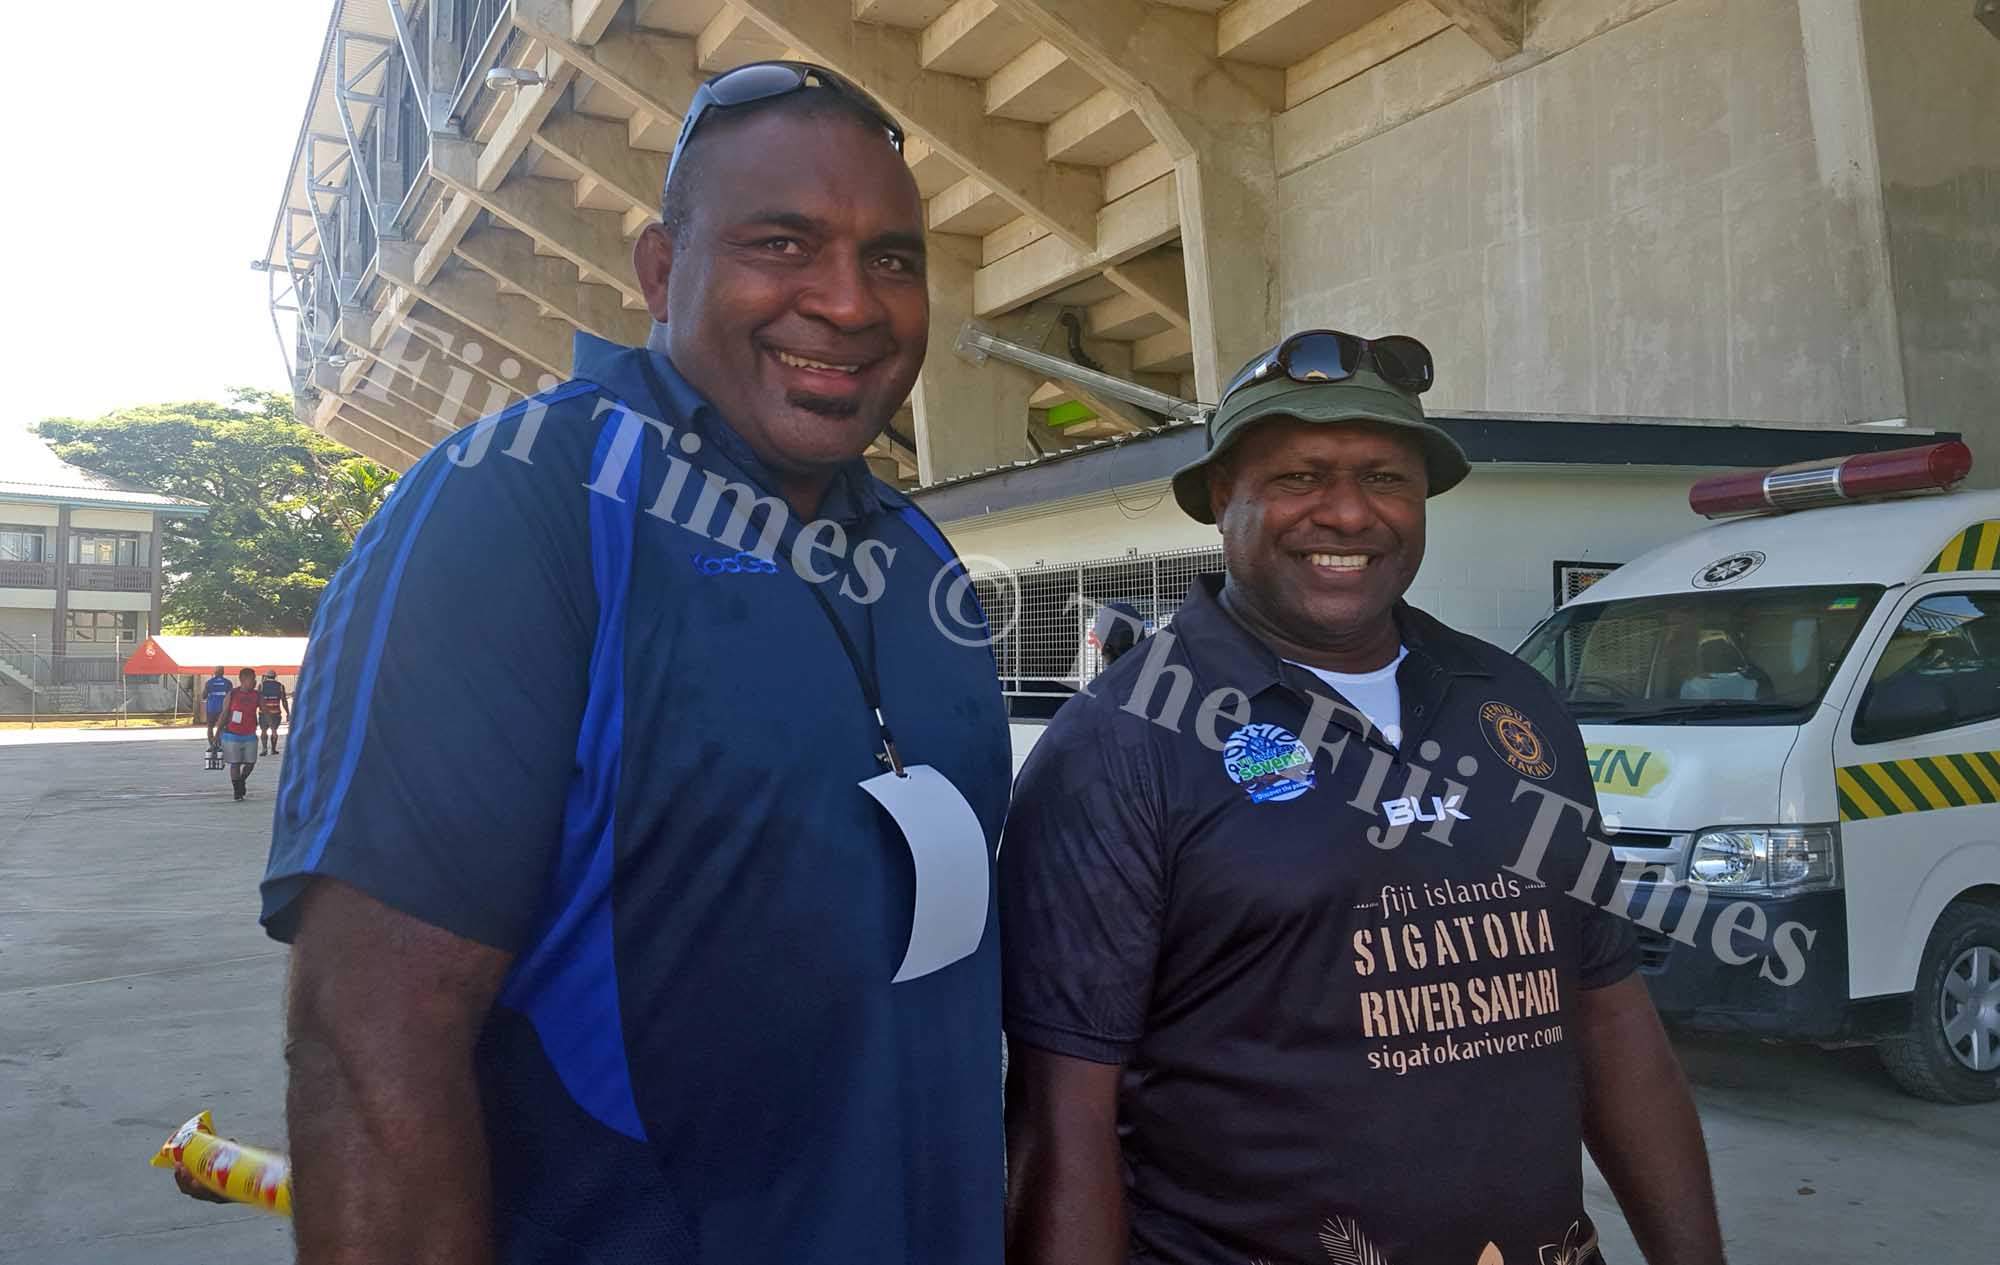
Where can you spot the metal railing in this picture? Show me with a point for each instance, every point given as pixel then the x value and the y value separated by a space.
pixel 1038 616
pixel 87 680
pixel 98 578
pixel 27 575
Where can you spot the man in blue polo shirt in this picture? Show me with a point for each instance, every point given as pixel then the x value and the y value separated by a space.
pixel 214 692
pixel 631 966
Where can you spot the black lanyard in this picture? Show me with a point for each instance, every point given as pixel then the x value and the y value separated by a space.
pixel 871 689
pixel 864 675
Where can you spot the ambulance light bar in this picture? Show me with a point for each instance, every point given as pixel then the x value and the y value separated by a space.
pixel 1931 468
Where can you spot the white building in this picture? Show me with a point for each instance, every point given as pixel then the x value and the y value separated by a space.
pixel 79 577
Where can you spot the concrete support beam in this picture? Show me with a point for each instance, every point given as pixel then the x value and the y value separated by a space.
pixel 1403 27
pixel 907 13
pixel 510 257
pixel 543 209
pixel 1123 316
pixel 589 19
pixel 1141 168
pixel 464 394
pixel 340 428
pixel 934 172
pixel 1130 226
pixel 1275 32
pixel 504 323
pixel 524 116
pixel 968 417
pixel 383 384
pixel 947 111
pixel 972 39
pixel 1215 121
pixel 602 151
pixel 1498 26
pixel 373 416
pixel 464 346
pixel 454 222
pixel 1170 351
pixel 969 208
pixel 1097 132
pixel 1038 85
pixel 655 73
pixel 1004 241
pixel 731 39
pixel 1160 282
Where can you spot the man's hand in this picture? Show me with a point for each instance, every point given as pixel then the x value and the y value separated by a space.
pixel 1640 1124
pixel 1065 1179
pixel 387 1138
pixel 194 1189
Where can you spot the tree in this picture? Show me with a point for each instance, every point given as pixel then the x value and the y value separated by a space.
pixel 284 504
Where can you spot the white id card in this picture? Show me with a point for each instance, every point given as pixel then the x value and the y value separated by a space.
pixel 953 881
pixel 236 718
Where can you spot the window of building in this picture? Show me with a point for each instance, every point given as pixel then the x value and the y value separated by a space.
pixel 110 548
pixel 103 628
pixel 23 544
pixel 1940 670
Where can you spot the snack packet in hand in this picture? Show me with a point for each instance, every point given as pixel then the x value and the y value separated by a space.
pixel 241 1174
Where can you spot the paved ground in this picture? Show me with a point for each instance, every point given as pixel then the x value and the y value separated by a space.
pixel 135 989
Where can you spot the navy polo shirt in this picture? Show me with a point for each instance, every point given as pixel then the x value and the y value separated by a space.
pixel 1346 1022
pixel 647 791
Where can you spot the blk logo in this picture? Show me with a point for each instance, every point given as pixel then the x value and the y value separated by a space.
pixel 1411 808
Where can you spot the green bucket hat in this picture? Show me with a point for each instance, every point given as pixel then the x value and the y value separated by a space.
pixel 1365 397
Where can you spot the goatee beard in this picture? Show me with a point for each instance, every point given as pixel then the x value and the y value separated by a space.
pixel 825 406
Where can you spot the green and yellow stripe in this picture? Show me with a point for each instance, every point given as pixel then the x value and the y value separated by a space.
pixel 1974 549
pixel 1917 785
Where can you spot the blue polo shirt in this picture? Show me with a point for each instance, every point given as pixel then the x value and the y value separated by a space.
pixel 647 790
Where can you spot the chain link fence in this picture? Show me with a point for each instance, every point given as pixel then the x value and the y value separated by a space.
pixel 1039 616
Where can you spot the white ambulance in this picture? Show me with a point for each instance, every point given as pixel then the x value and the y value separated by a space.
pixel 1793 723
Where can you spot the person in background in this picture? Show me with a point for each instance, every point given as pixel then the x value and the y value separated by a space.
pixel 214 692
pixel 236 730
pixel 273 705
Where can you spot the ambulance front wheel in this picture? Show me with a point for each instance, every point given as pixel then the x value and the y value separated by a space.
pixel 1951 1053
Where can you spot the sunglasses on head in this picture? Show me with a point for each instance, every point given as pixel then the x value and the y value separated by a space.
pixel 1329 355
pixel 767 81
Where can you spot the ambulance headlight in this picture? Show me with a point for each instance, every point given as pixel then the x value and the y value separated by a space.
pixel 1768 859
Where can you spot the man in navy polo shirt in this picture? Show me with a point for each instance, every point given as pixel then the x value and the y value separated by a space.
pixel 630 966
pixel 1296 964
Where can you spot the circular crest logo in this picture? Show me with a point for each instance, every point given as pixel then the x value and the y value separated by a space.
pixel 1728 570
pixel 1514 739
pixel 1268 762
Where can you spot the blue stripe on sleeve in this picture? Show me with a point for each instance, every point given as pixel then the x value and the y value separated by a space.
pixel 567 983
pixel 337 614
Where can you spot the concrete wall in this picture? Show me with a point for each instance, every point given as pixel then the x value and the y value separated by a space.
pixel 1492 541
pixel 112 520
pixel 1934 74
pixel 22 624
pixel 1655 222
pixel 29 514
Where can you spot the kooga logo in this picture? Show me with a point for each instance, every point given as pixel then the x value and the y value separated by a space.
pixel 1404 811
pixel 738 564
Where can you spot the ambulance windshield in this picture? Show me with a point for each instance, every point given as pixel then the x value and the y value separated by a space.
pixel 1729 657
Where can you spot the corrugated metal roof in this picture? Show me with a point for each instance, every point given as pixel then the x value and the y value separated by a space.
pixel 29 471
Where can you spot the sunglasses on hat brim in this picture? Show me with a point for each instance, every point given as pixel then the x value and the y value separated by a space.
pixel 767 81
pixel 1331 355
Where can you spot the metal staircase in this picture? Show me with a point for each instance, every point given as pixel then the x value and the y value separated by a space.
pixel 23 665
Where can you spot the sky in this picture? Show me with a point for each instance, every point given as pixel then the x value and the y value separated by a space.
pixel 146 157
